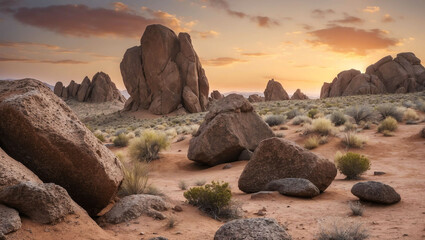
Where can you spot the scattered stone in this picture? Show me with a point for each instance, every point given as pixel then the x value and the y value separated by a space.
pixel 227 166
pixel 376 192
pixel 9 220
pixel 222 136
pixel 133 206
pixel 252 229
pixel 378 173
pixel 277 158
pixel 177 208
pixel 58 147
pixel 275 92
pixel 42 202
pixel 298 95
pixel 296 187
pixel 260 213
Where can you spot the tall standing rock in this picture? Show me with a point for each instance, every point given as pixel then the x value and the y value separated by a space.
pixel 298 95
pixel 164 72
pixel 275 92
pixel 39 130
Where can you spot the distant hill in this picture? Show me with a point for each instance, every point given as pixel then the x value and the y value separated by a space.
pixel 48 85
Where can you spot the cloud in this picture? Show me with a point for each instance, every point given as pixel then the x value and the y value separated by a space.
pixel 351 40
pixel 387 18
pixel 349 20
pixel 27 60
pixel 221 61
pixel 319 13
pixel 82 21
pixel 25 44
pixel 371 9
pixel 262 21
pixel 205 34
pixel 255 54
pixel 307 27
pixel 120 7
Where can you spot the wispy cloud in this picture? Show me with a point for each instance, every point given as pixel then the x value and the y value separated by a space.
pixel 348 19
pixel 387 18
pixel 371 9
pixel 319 13
pixel 255 54
pixel 221 61
pixel 351 40
pixel 120 7
pixel 28 60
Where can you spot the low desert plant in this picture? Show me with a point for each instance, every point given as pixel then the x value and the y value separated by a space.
pixel 171 223
pixel 361 113
pixel 200 182
pixel 321 126
pixel 420 105
pixel 323 140
pixel 183 185
pixel 349 126
pixel 388 124
pixel 311 142
pixel 135 179
pixel 293 113
pixel 147 146
pixel 340 229
pixel 300 120
pixel 338 118
pixel 121 140
pixel 389 110
pixel 275 120
pixel 356 208
pixel 312 113
pixel 410 115
pixel 100 137
pixel 353 140
pixel 351 164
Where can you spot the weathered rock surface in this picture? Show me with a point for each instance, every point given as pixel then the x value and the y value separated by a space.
pixel 9 220
pixel 253 98
pixel 275 92
pixel 252 229
pixel 133 206
pixel 164 72
pixel 298 95
pixel 101 89
pixel 42 202
pixel 230 126
pixel 39 130
pixel 296 187
pixel 216 95
pixel 403 74
pixel 277 158
pixel 376 192
pixel 13 172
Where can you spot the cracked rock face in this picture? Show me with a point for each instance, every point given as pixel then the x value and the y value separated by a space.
pixel 164 72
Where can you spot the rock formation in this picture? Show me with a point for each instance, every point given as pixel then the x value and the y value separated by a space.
pixel 277 158
pixel 275 92
pixel 376 192
pixel 230 127
pixel 216 95
pixel 101 89
pixel 298 95
pixel 253 98
pixel 39 130
pixel 164 72
pixel 402 74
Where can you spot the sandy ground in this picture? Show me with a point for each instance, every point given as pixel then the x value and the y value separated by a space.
pixel 402 157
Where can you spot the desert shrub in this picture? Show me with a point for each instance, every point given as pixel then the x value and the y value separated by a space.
pixel 100 137
pixel 356 208
pixel 213 199
pixel 183 185
pixel 147 146
pixel 410 115
pixel 349 126
pixel 293 113
pixel 338 118
pixel 420 105
pixel 135 179
pixel 301 119
pixel 351 139
pixel 351 164
pixel 389 110
pixel 323 140
pixel 339 229
pixel 200 182
pixel 322 126
pixel 274 120
pixel 361 113
pixel 171 223
pixel 311 142
pixel 312 113
pixel 181 138
pixel 121 140
pixel 388 124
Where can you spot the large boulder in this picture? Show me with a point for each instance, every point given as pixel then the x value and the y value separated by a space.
pixel 230 126
pixel 296 187
pixel 42 202
pixel 376 192
pixel 253 98
pixel 39 130
pixel 277 158
pixel 403 74
pixel 164 72
pixel 298 95
pixel 101 89
pixel 9 220
pixel 133 206
pixel 275 92
pixel 13 172
pixel 252 229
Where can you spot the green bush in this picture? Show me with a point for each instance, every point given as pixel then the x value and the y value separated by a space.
pixel 312 113
pixel 388 124
pixel 352 164
pixel 213 199
pixel 389 110
pixel 361 113
pixel 100 137
pixel 147 146
pixel 275 120
pixel 121 140
pixel 338 118
pixel 135 179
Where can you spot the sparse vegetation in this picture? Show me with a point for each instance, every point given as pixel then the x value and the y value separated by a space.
pixel 183 185
pixel 121 140
pixel 388 124
pixel 200 182
pixel 356 208
pixel 135 179
pixel 410 115
pixel 275 120
pixel 353 140
pixel 293 113
pixel 312 113
pixel 339 229
pixel 351 164
pixel 311 142
pixel 171 223
pixel 361 113
pixel 389 110
pixel 100 137
pixel 320 126
pixel 338 118
pixel 301 119
pixel 147 146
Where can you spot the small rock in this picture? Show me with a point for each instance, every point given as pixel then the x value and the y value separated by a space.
pixel 141 233
pixel 9 220
pixel 227 166
pixel 378 173
pixel 296 187
pixel 260 213
pixel 376 192
pixel 177 208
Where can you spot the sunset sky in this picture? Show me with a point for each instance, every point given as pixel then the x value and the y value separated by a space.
pixel 242 43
